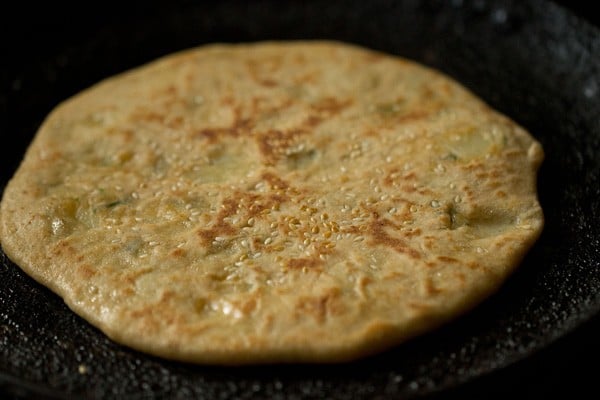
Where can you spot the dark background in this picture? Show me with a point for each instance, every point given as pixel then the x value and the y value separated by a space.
pixel 31 33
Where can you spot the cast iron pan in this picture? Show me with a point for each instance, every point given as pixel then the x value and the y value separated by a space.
pixel 532 60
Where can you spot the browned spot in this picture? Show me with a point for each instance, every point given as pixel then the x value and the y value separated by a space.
pixel 274 181
pixel 80 258
pixel 500 194
pixel 377 229
pixel 161 313
pixel 305 262
pixel 309 77
pixel 419 306
pixel 274 143
pixel 251 204
pixel 473 265
pixel 126 134
pixel 331 106
pixel 430 288
pixel 179 252
pixel 260 105
pixel 63 246
pixel 240 126
pixel 390 178
pixel 448 259
pixel 227 100
pixel 261 71
pixel 133 276
pixel 312 121
pixel 412 233
pixel 220 228
pixel 248 306
pixel 268 82
pixel 409 189
pixel 319 307
pixel 86 271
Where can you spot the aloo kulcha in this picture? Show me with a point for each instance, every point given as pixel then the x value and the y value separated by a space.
pixel 273 202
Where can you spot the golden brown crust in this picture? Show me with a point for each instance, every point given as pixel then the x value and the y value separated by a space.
pixel 273 202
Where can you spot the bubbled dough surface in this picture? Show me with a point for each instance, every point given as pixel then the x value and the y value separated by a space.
pixel 273 202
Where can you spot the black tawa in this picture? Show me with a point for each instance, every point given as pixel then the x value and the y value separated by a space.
pixel 533 60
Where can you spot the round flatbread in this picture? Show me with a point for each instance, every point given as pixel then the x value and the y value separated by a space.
pixel 273 202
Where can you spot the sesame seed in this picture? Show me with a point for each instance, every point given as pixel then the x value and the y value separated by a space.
pixel 434 203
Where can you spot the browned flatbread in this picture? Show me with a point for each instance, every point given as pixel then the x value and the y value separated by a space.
pixel 273 202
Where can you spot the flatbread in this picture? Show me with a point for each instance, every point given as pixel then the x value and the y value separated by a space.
pixel 273 202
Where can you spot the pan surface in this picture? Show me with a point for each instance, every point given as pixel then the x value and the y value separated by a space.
pixel 532 60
